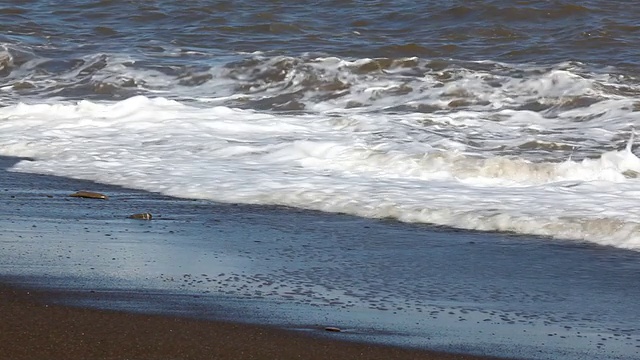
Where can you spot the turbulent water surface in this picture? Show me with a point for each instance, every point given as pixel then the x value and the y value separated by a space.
pixel 510 116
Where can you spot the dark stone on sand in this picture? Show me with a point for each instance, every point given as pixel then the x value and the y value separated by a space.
pixel 89 195
pixel 332 329
pixel 141 216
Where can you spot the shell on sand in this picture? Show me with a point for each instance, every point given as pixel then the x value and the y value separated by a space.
pixel 89 195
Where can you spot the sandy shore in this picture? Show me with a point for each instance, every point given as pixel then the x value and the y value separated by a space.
pixel 37 212
pixel 33 329
pixel 81 280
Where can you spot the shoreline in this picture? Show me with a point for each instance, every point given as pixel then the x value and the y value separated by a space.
pixel 42 320
pixel 294 272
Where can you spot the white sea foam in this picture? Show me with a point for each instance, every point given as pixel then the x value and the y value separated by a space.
pixel 489 146
pixel 449 168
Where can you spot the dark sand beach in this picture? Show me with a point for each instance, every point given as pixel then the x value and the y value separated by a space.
pixel 32 329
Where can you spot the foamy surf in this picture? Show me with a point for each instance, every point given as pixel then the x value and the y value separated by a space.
pixel 367 164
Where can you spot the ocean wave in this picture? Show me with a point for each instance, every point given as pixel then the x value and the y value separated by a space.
pixel 366 165
pixel 310 82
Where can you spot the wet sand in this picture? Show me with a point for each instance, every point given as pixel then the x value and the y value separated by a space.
pixel 82 280
pixel 33 329
pixel 38 323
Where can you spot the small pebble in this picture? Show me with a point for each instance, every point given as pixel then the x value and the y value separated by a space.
pixel 89 195
pixel 141 216
pixel 333 329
